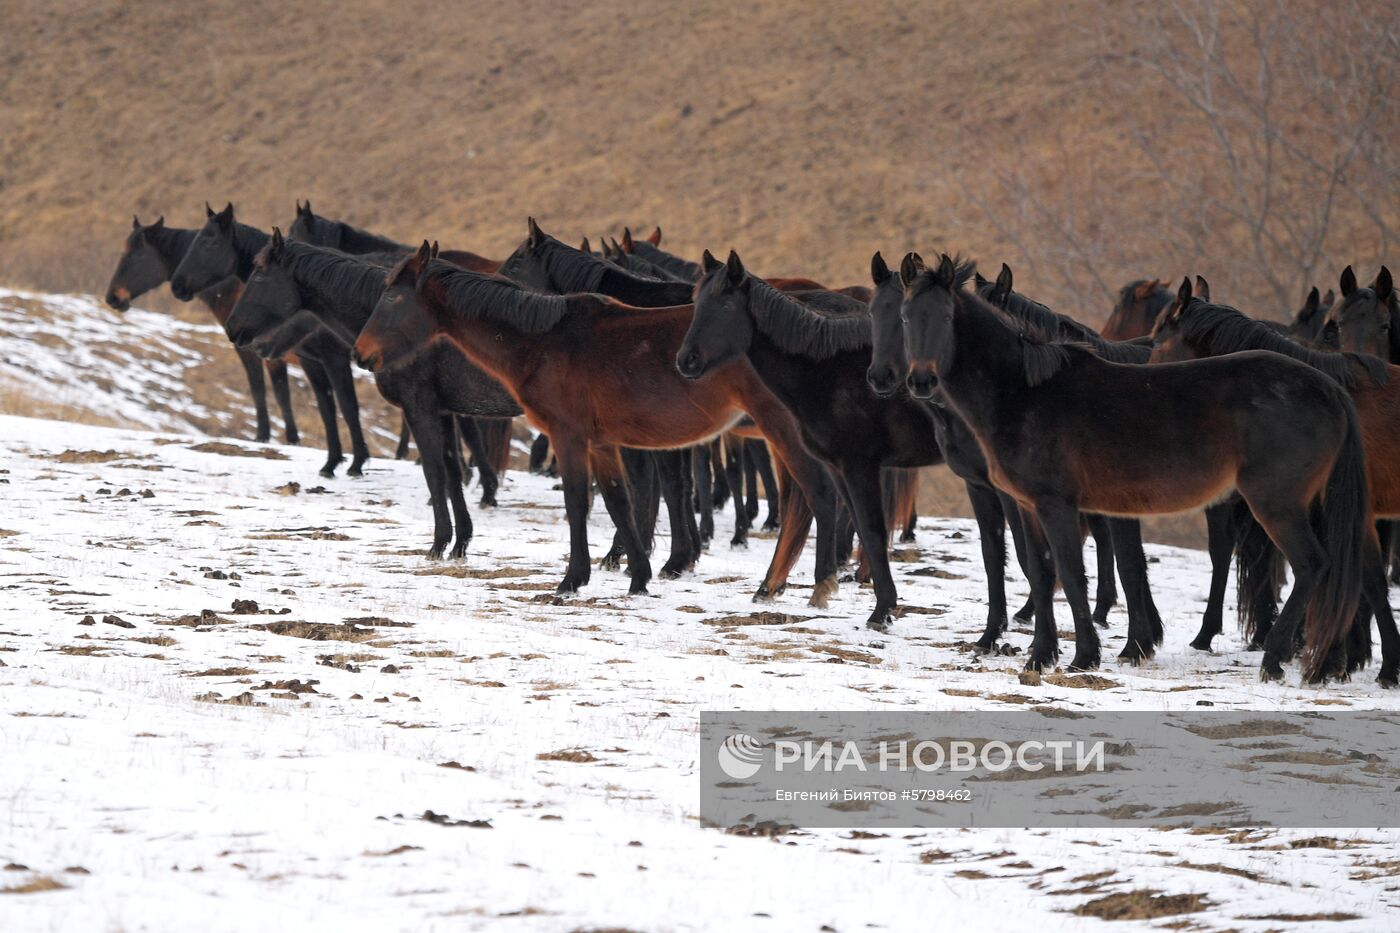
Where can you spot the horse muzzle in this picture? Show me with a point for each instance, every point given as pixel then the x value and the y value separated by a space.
pixel 119 299
pixel 690 364
pixel 882 381
pixel 922 384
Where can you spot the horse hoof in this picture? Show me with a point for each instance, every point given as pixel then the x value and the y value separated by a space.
pixel 739 543
pixel 987 644
pixel 771 526
pixel 637 589
pixel 822 593
pixel 1387 679
pixel 1134 655
pixel 354 471
pixel 436 551
pixel 1270 671
pixel 459 551
pixel 1040 660
pixel 263 437
pixel 1202 643
pixel 1088 661
pixel 293 438
pixel 568 586
pixel 1101 620
pixel 670 573
pixel 880 622
pixel 611 561
pixel 328 472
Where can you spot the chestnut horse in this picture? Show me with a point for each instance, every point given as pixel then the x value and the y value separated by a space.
pixel 1065 432
pixel 595 375
pixel 1139 304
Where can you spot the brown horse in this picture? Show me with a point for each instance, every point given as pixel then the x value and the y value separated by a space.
pixel 1139 304
pixel 1066 432
pixel 1197 329
pixel 595 375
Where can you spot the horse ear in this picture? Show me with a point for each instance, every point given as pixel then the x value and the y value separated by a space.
pixel 654 238
pixel 425 253
pixel 978 279
pixel 536 234
pixel 708 262
pixel 159 224
pixel 734 268
pixel 1003 289
pixel 910 267
pixel 1348 282
pixel 878 270
pixel 627 239
pixel 1329 299
pixel 1313 302
pixel 225 216
pixel 208 211
pixel 1202 289
pixel 586 247
pixel 135 222
pixel 433 252
pixel 1145 289
pixel 277 241
pixel 946 270
pixel 1385 285
pixel 1183 294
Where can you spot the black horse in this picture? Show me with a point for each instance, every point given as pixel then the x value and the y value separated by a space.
pixel 1066 432
pixel 151 252
pixel 813 355
pixel 225 248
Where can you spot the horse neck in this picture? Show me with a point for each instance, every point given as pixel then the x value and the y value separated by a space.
pixel 353 240
pixel 344 311
pixel 171 244
pixel 785 374
pixel 247 243
pixel 497 346
pixel 640 293
pixel 986 375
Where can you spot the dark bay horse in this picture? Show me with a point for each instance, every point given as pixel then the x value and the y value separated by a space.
pixel 433 387
pixel 1139 304
pixel 150 253
pixel 1198 329
pixel 225 248
pixel 813 356
pixel 595 375
pixel 1065 431
pixel 313 228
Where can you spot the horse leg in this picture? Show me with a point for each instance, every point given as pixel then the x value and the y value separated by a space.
pixel 674 468
pixel 1377 595
pixel 282 391
pixel 343 385
pixel 704 491
pixel 991 534
pixel 737 468
pixel 539 452
pixel 721 474
pixel 1294 535
pixel 1040 574
pixel 1220 542
pixel 861 482
pixel 325 404
pixel 456 482
pixel 471 436
pixel 1106 593
pixel 1060 522
pixel 1012 511
pixel 763 465
pixel 405 435
pixel 641 476
pixel 572 456
pixel 253 368
pixel 1144 624
pixel 748 458
pixel 428 426
pixel 612 483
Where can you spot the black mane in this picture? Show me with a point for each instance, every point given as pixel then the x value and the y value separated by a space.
pixel 1217 329
pixel 170 242
pixel 815 324
pixel 332 277
pixel 351 239
pixel 682 269
pixel 573 270
pixel 1053 327
pixel 492 297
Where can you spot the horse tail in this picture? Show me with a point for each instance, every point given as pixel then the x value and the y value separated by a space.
pixel 1344 525
pixel 1259 572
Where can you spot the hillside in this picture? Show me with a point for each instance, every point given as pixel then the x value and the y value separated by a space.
pixel 805 137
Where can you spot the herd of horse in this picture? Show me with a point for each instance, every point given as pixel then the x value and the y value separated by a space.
pixel 655 380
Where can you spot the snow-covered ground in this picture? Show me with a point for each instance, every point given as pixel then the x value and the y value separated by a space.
pixel 383 743
pixel 185 765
